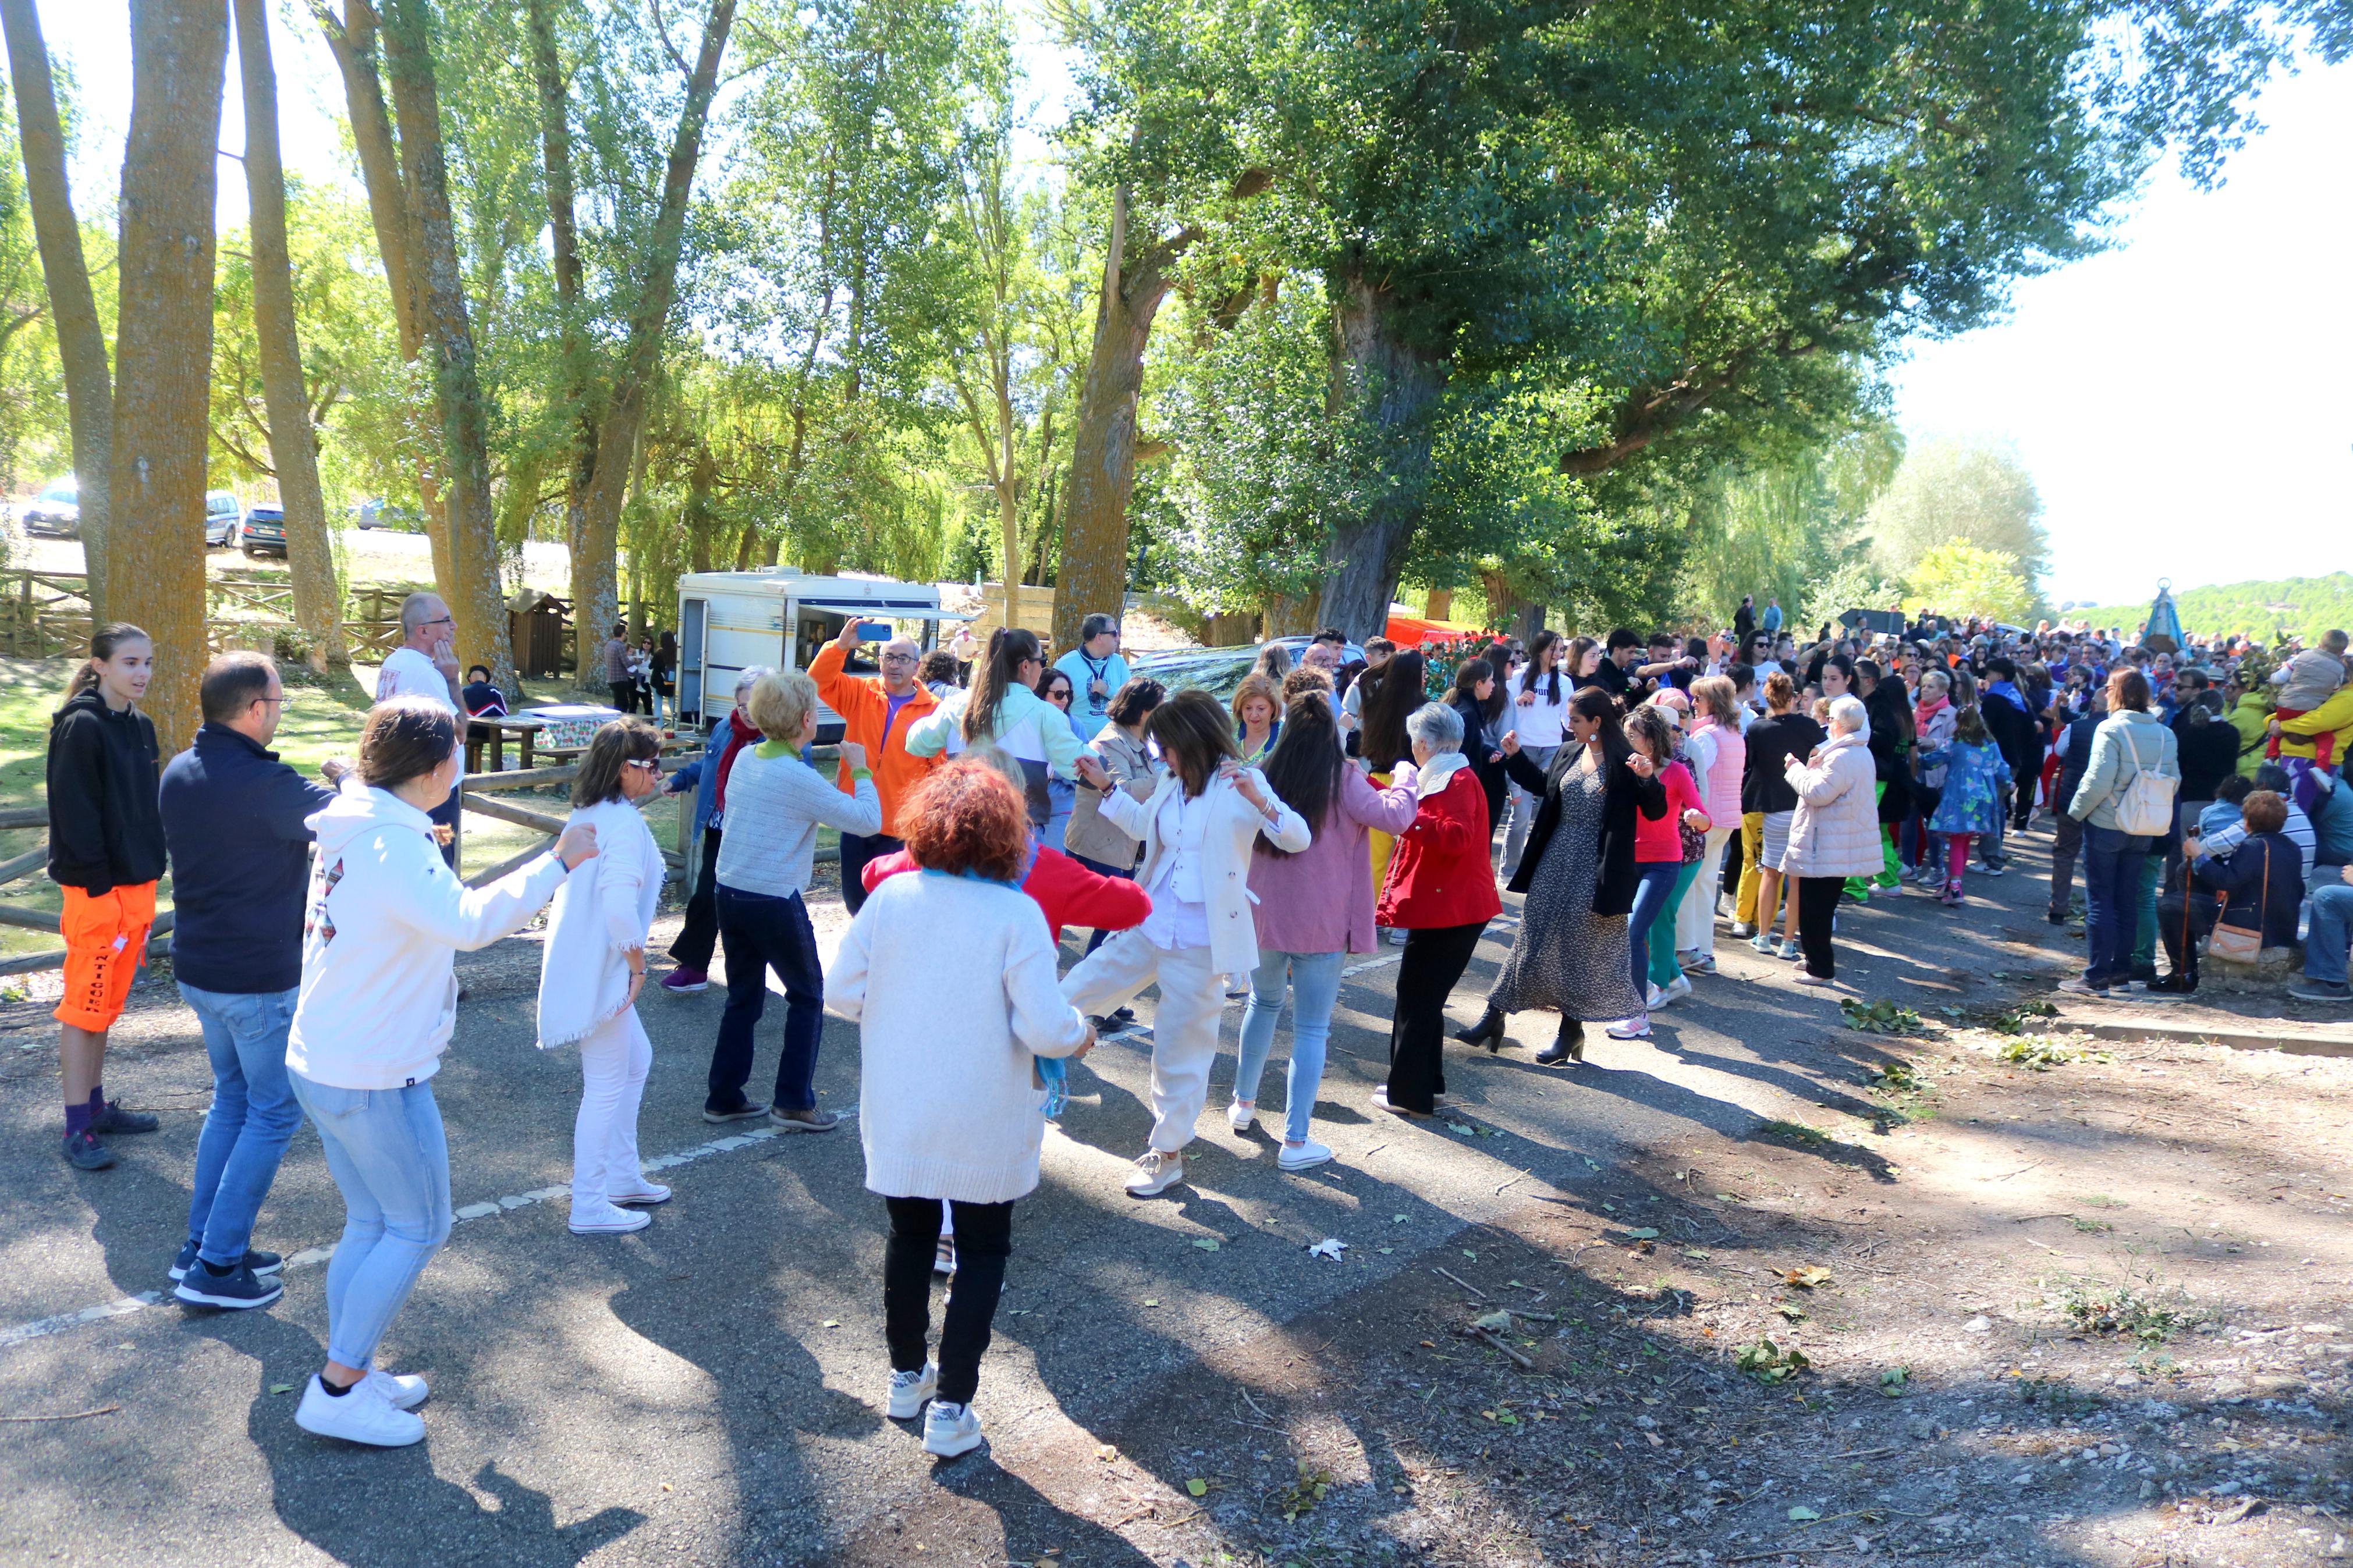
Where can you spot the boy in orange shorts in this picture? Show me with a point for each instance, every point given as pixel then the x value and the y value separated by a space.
pixel 106 851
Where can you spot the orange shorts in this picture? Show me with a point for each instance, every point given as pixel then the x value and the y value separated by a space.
pixel 106 935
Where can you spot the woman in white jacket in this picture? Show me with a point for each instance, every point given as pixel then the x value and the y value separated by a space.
pixel 948 1102
pixel 1197 827
pixel 1835 834
pixel 386 920
pixel 590 969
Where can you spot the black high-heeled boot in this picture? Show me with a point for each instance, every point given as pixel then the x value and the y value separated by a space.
pixel 1488 1031
pixel 1567 1047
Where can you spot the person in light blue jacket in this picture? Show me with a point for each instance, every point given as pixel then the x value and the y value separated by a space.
pixel 2130 742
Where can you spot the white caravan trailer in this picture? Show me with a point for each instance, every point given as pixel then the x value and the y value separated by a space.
pixel 782 617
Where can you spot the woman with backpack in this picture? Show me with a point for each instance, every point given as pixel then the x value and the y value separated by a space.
pixel 2125 804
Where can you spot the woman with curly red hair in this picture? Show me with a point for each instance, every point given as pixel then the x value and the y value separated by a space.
pixel 948 1097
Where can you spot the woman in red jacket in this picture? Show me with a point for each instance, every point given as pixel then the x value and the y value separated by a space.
pixel 1441 893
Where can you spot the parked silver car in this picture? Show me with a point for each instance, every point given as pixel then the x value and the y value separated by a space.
pixel 56 512
pixel 221 513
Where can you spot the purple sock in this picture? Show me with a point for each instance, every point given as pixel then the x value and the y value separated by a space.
pixel 76 1119
pixel 97 1099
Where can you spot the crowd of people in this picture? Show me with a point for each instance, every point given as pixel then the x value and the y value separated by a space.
pixel 1634 791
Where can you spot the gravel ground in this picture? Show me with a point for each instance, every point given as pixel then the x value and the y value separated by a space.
pixel 2072 1310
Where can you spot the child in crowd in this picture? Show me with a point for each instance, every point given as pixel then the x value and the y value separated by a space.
pixel 106 853
pixel 1976 772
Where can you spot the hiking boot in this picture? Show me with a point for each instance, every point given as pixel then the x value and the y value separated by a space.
pixel 110 1116
pixel 85 1152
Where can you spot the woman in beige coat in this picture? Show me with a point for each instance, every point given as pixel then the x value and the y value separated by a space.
pixel 1835 834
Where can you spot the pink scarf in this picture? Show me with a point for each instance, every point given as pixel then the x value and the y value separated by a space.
pixel 1924 711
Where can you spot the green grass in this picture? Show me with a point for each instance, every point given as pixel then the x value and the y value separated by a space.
pixel 323 719
pixel 2308 606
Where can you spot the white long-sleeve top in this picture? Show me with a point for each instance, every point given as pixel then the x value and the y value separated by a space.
pixel 951 982
pixel 597 918
pixel 385 923
pixel 1232 826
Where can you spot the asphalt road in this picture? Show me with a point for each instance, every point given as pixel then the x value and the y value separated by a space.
pixel 708 1390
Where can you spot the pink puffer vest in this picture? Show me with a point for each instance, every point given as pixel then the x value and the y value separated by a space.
pixel 1723 806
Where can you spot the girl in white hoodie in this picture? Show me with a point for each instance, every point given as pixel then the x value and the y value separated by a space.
pixel 386 920
pixel 591 969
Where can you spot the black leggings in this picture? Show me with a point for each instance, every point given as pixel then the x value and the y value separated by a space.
pixel 1434 960
pixel 1818 898
pixel 984 1238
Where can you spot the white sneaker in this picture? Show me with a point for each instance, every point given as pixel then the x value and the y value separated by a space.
pixel 400 1393
pixel 1654 998
pixel 949 1429
pixel 1155 1173
pixel 1763 943
pixel 363 1416
pixel 1680 986
pixel 608 1220
pixel 1397 936
pixel 647 1193
pixel 1307 1157
pixel 909 1390
pixel 1239 1116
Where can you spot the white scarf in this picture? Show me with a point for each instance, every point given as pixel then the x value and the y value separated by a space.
pixel 1434 775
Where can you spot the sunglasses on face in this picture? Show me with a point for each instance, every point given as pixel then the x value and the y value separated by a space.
pixel 647 763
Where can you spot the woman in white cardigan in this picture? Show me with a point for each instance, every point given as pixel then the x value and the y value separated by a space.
pixel 1835 834
pixel 590 969
pixel 1197 827
pixel 948 1097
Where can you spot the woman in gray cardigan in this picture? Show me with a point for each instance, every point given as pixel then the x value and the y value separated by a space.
pixel 2130 742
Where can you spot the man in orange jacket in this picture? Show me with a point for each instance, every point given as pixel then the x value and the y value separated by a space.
pixel 877 714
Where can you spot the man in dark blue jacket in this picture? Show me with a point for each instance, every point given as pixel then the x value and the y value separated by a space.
pixel 2067 834
pixel 235 817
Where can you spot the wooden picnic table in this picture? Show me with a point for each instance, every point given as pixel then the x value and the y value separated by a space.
pixel 495 729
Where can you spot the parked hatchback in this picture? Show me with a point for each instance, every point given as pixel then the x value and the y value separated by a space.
pixel 263 531
pixel 221 513
pixel 56 510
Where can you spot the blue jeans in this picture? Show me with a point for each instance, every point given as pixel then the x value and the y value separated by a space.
pixel 386 1151
pixel 761 933
pixel 1520 807
pixel 1653 888
pixel 2323 945
pixel 1314 980
pixel 2112 884
pixel 252 1120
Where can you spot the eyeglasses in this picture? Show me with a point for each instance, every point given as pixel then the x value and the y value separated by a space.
pixel 1059 694
pixel 647 763
pixel 898 658
pixel 438 621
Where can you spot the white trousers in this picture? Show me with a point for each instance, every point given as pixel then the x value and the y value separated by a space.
pixel 1184 1026
pixel 614 1060
pixel 1695 917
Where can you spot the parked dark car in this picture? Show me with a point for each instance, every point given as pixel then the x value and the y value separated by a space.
pixel 1216 671
pixel 263 530
pixel 56 510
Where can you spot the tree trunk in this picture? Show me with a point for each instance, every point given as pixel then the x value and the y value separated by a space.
pixel 701 478
pixel 1372 366
pixel 1288 615
pixel 1093 575
pixel 353 41
pixel 477 603
pixel 294 442
pixel 595 594
pixel 179 54
pixel 1438 603
pixel 81 343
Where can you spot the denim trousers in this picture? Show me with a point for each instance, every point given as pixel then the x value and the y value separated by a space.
pixel 1655 891
pixel 983 1240
pixel 386 1151
pixel 2325 942
pixel 858 849
pixel 2112 884
pixel 253 1116
pixel 1520 810
pixel 763 933
pixel 1314 981
pixel 2066 847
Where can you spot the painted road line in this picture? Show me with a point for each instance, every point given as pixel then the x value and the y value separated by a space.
pixel 310 1257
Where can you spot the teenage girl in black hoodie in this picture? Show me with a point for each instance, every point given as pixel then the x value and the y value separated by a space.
pixel 106 851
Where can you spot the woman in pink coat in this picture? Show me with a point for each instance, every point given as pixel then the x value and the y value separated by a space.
pixel 1835 834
